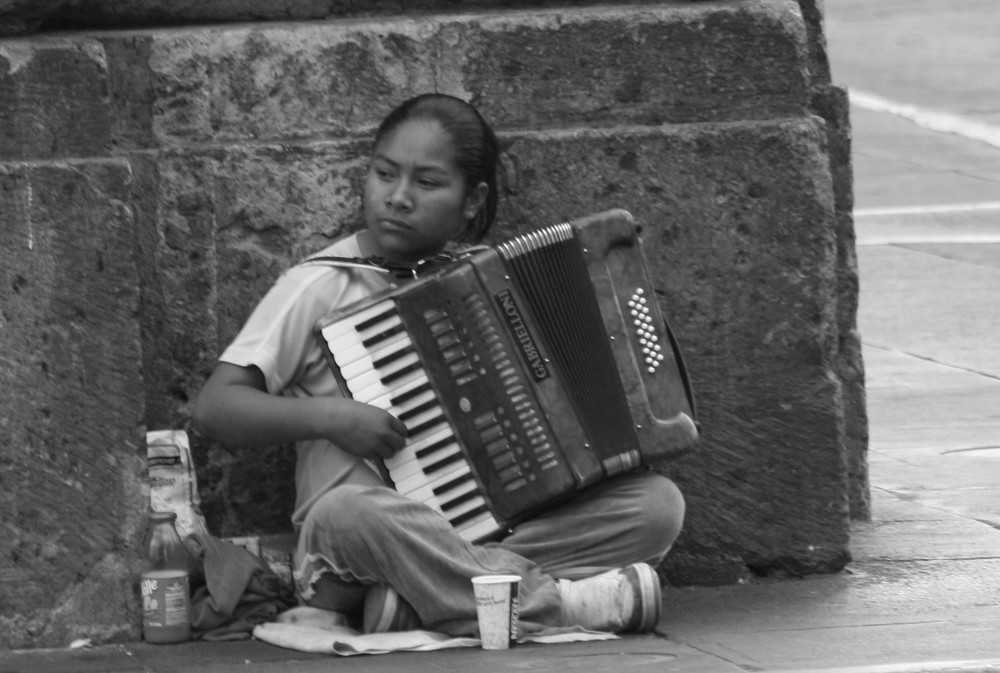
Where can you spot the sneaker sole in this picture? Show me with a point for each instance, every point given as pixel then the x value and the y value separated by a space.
pixel 648 596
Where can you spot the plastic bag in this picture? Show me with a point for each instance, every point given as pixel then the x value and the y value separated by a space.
pixel 173 486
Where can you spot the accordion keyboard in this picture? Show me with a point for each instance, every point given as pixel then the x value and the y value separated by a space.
pixel 379 364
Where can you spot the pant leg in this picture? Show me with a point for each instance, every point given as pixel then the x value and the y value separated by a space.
pixel 356 536
pixel 629 519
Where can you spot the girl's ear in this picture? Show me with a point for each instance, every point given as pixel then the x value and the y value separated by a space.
pixel 475 200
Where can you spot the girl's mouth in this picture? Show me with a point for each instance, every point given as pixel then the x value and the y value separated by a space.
pixel 391 223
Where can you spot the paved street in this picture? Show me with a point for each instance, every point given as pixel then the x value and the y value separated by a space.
pixel 927 210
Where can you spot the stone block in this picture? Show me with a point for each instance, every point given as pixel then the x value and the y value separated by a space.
pixel 669 63
pixel 832 104
pixel 53 99
pixel 72 503
pixel 19 17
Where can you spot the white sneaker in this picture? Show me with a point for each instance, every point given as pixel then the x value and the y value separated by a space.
pixel 385 611
pixel 620 600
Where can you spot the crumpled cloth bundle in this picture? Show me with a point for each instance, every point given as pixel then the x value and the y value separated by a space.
pixel 232 590
pixel 319 631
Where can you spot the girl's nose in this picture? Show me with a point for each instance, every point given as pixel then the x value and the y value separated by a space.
pixel 399 196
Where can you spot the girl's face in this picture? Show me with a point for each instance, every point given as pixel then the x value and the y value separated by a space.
pixel 415 198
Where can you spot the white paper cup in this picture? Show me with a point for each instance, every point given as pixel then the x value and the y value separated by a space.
pixel 496 606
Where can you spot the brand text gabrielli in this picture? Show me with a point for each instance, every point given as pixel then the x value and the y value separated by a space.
pixel 525 342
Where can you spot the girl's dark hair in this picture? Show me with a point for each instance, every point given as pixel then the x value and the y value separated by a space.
pixel 476 149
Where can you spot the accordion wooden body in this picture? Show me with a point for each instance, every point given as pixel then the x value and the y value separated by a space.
pixel 524 372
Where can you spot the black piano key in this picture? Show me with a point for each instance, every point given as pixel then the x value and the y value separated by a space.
pixel 467 516
pixel 447 460
pixel 416 430
pixel 382 336
pixel 401 372
pixel 459 500
pixel 452 484
pixel 436 446
pixel 417 410
pixel 392 357
pixel 399 399
pixel 375 319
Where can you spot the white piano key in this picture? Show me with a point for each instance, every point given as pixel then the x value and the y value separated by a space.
pixel 349 341
pixel 457 470
pixel 479 527
pixel 408 406
pixel 366 362
pixel 406 469
pixel 349 324
pixel 346 353
pixel 388 400
pixel 375 388
pixel 453 512
pixel 372 377
pixel 427 416
pixel 423 489
pixel 405 463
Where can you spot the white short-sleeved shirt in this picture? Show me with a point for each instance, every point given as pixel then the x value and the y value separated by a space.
pixel 278 339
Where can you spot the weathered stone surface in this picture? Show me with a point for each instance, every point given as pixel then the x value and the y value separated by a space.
pixel 245 148
pixel 832 104
pixel 527 70
pixel 217 228
pixel 53 99
pixel 71 409
pixel 18 17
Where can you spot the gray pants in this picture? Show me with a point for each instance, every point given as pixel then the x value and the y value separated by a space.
pixel 356 536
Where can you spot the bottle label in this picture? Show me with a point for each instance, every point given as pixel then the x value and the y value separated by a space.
pixel 165 598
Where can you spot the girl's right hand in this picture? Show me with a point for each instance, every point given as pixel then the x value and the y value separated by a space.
pixel 364 430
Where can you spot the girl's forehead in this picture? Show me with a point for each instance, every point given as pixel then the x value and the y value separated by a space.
pixel 417 141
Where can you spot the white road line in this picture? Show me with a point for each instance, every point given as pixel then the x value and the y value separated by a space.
pixel 943 122
pixel 944 223
pixel 944 208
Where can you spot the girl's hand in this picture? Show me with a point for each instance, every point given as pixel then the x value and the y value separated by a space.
pixel 364 430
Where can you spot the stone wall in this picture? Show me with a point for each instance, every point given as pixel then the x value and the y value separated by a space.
pixel 154 181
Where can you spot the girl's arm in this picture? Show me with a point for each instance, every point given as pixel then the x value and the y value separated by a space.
pixel 235 408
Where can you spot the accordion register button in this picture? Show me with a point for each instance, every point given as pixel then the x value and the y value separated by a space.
pixel 491 433
pixel 484 420
pixel 505 461
pixel 496 447
pixel 509 473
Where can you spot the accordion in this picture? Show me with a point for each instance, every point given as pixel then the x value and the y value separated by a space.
pixel 524 372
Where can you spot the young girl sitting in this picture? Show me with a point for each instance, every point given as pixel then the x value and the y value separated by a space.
pixel 364 550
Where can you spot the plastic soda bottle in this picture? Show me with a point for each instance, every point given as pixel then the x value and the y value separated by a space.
pixel 166 596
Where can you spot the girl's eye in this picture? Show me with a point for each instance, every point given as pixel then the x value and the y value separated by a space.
pixel 428 182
